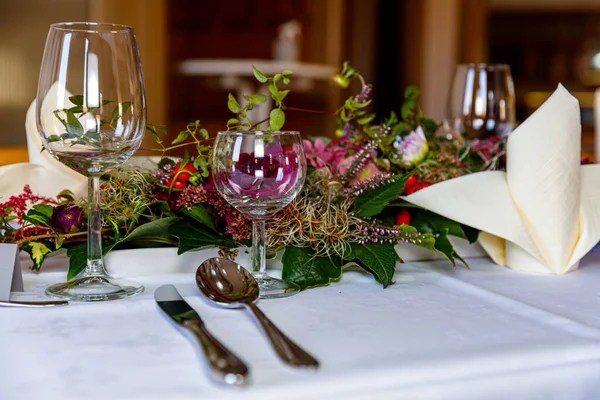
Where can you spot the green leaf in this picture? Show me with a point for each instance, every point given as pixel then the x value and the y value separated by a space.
pixel 232 104
pixel 366 120
pixel 411 91
pixel 350 103
pixel 262 78
pixel 156 231
pixel 44 209
pixel 200 164
pixel 408 108
pixel 371 202
pixel 286 80
pixel 203 133
pixel 114 224
pixel 78 257
pixel 197 237
pixel 185 159
pixel 287 72
pixel 277 119
pixel 74 127
pixel 53 138
pixel 38 252
pixel 39 215
pixel 120 110
pixel 182 137
pixel 77 100
pixel 277 78
pixel 232 121
pixel 282 94
pixel 436 242
pixel 430 125
pixel 66 195
pixel 76 109
pixel 426 221
pixel 258 99
pixel 377 259
pixel 301 267
pixel 273 90
pixel 199 214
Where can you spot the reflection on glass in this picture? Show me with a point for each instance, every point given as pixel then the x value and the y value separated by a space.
pixel 482 101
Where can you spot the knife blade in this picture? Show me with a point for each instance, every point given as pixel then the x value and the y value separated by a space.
pixel 224 366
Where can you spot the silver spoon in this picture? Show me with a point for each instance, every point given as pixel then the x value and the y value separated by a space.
pixel 230 285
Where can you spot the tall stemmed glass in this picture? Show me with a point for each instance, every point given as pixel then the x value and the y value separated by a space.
pixel 259 173
pixel 482 101
pixel 91 115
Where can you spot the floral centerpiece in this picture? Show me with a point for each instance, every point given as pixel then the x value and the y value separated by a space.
pixel 349 213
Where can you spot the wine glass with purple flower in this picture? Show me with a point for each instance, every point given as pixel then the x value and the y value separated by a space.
pixel 259 173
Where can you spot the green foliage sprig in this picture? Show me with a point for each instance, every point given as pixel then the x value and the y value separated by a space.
pixel 75 132
pixel 276 117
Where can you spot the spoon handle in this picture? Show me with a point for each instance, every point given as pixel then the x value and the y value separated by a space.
pixel 224 365
pixel 287 350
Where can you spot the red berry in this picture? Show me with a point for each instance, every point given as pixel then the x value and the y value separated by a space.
pixel 184 176
pixel 410 183
pixel 176 185
pixel 403 218
pixel 421 185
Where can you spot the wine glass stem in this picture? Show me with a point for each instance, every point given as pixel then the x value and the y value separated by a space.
pixel 259 263
pixel 95 266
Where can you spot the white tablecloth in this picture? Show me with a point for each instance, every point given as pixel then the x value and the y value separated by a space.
pixel 438 333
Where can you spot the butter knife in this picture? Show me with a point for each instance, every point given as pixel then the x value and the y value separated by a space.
pixel 223 364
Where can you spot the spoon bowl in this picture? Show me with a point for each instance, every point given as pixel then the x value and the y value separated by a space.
pixel 226 283
pixel 230 285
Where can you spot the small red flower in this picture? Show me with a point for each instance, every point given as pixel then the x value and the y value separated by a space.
pixel 403 218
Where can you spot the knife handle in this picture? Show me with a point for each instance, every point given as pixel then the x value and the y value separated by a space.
pixel 224 365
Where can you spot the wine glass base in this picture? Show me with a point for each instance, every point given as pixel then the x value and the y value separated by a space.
pixel 271 288
pixel 94 288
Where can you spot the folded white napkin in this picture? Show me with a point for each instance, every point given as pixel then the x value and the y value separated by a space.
pixel 543 213
pixel 45 175
pixel 63 175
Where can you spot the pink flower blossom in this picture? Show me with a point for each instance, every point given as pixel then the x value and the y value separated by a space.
pixel 317 154
pixel 339 148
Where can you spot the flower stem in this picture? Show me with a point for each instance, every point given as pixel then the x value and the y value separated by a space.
pixel 306 110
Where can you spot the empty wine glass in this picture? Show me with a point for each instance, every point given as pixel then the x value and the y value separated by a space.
pixel 259 173
pixel 481 101
pixel 91 116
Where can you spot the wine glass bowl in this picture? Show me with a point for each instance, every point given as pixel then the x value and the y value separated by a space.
pixel 259 173
pixel 481 101
pixel 91 116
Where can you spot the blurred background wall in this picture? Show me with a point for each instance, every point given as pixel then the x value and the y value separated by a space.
pixel 394 43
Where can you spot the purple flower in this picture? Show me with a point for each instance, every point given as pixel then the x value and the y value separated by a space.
pixel 413 148
pixel 67 218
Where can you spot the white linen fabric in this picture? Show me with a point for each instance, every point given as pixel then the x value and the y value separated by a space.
pixel 542 215
pixel 437 333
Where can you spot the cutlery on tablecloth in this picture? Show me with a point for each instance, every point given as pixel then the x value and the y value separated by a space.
pixel 224 365
pixel 33 304
pixel 230 285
